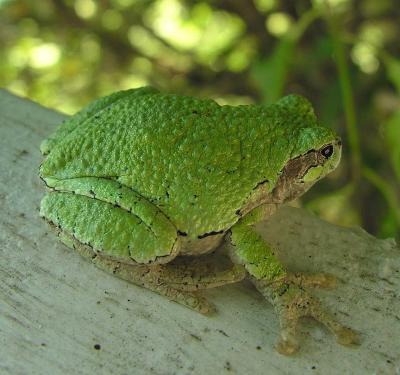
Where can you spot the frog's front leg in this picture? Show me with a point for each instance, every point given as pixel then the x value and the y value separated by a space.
pixel 284 290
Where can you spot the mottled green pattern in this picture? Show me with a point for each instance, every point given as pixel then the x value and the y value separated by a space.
pixel 195 160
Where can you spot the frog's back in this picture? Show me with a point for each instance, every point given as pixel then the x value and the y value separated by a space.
pixel 194 159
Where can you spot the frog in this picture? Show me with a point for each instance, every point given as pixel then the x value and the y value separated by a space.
pixel 147 184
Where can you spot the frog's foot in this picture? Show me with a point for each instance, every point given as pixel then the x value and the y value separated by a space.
pixel 292 302
pixel 198 274
pixel 147 276
pixel 151 277
pixel 178 281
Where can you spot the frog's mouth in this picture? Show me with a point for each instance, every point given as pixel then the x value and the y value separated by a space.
pixel 302 172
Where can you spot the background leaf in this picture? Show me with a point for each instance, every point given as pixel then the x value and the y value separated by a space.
pixel 392 136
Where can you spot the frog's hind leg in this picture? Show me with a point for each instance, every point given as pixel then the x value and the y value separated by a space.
pixel 127 235
pixel 178 282
pixel 153 277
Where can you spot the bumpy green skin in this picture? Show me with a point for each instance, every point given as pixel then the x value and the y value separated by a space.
pixel 195 163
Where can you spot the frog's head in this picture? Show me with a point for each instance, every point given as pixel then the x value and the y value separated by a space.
pixel 316 154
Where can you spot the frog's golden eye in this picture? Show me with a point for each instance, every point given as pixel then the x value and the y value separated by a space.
pixel 327 151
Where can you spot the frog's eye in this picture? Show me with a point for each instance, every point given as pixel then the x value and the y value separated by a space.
pixel 327 151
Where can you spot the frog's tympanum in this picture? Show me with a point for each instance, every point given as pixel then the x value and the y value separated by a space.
pixel 139 178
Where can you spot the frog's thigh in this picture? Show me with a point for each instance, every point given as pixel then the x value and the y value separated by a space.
pixel 112 230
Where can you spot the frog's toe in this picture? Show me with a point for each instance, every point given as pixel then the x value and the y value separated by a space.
pixel 315 280
pixel 291 303
pixel 196 302
pixel 344 335
pixel 286 347
pixel 287 343
pixel 200 304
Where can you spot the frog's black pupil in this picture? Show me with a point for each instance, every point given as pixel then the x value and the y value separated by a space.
pixel 327 151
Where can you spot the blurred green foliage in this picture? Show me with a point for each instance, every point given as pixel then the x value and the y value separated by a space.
pixel 341 54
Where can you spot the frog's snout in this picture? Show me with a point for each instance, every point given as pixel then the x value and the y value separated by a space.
pixel 335 153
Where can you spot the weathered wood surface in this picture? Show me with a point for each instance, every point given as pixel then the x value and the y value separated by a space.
pixel 55 307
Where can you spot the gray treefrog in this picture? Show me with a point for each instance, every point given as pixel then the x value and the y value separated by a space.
pixel 139 177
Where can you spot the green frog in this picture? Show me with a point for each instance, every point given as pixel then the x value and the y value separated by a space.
pixel 140 179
